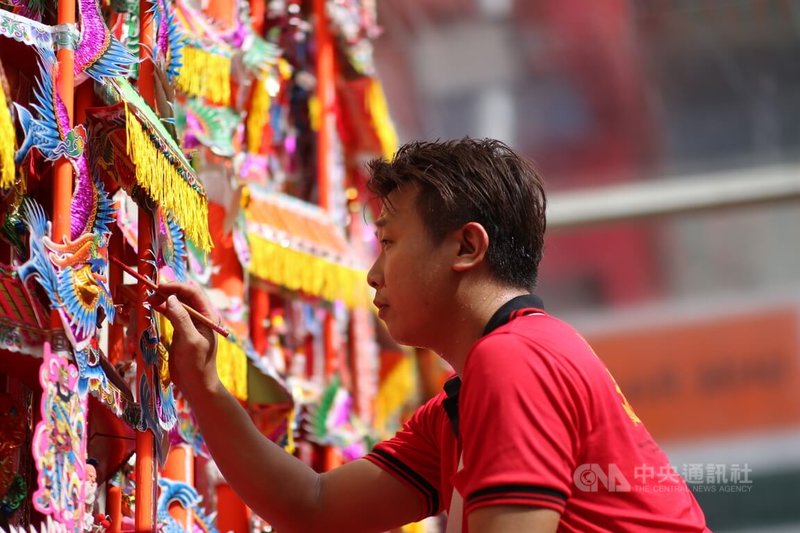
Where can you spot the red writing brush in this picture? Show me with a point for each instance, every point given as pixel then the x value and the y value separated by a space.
pixel 192 312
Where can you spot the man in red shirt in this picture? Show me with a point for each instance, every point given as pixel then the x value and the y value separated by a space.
pixel 532 435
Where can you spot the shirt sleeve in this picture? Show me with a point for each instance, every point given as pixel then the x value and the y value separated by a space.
pixel 413 457
pixel 520 412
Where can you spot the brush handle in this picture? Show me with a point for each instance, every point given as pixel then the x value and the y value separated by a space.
pixel 196 315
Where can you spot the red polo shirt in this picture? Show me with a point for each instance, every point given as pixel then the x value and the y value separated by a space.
pixel 541 423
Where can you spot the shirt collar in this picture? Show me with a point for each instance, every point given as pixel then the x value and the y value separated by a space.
pixel 509 310
pixel 504 315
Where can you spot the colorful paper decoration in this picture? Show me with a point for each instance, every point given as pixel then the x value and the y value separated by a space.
pixel 186 431
pixel 71 274
pixel 150 421
pixel 109 389
pixel 332 421
pixel 50 132
pixel 206 68
pixel 169 41
pixel 186 496
pixel 157 399
pixel 72 271
pixel 355 25
pixel 99 55
pixel 91 374
pixel 259 56
pixel 298 246
pixel 171 247
pixel 59 442
pixel 135 148
pixel 28 32
pixel 213 127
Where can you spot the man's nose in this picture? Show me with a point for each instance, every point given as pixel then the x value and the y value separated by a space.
pixel 373 276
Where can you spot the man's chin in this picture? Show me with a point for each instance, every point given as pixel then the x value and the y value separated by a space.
pixel 405 339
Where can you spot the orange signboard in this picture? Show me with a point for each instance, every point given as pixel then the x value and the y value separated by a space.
pixel 712 376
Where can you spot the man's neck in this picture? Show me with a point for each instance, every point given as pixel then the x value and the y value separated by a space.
pixel 468 323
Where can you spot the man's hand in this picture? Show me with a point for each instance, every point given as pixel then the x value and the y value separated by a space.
pixel 512 519
pixel 192 353
pixel 358 496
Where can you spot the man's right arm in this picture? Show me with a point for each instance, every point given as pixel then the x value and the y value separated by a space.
pixel 358 496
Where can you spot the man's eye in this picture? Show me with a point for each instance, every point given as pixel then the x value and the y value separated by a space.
pixel 385 242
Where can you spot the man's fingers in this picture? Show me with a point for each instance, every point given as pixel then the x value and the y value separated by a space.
pixel 157 299
pixel 174 311
pixel 188 294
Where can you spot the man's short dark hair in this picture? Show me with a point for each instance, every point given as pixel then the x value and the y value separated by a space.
pixel 474 180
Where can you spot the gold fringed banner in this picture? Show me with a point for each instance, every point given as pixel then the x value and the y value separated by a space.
pixel 299 271
pixel 165 184
pixel 394 392
pixel 7 141
pixel 205 74
pixel 231 361
pixel 258 116
pixel 232 367
pixel 381 121
pixel 314 112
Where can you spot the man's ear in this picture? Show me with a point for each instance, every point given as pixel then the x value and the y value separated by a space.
pixel 473 242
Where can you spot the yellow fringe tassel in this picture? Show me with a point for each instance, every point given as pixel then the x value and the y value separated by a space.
pixel 394 392
pixel 381 121
pixel 314 112
pixel 166 329
pixel 232 368
pixel 231 361
pixel 205 74
pixel 7 142
pixel 257 117
pixel 285 69
pixel 165 185
pixel 299 271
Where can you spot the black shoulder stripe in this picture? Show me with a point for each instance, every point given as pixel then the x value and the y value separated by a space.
pixel 501 490
pixel 537 500
pixel 428 490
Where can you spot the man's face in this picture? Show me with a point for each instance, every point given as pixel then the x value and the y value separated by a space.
pixel 412 276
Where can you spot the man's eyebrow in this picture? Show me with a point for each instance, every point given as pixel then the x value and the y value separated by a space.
pixel 380 223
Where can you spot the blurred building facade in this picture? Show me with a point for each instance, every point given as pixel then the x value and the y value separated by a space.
pixel 696 315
